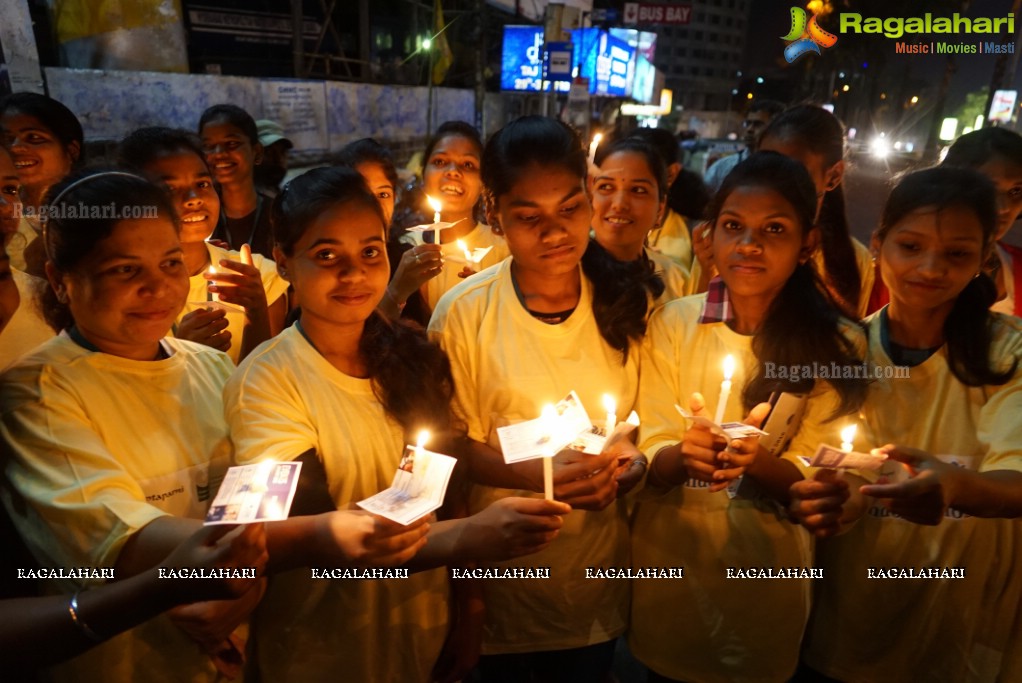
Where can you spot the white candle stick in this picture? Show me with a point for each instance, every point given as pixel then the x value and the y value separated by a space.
pixel 420 442
pixel 593 146
pixel 725 388
pixel 847 436
pixel 610 405
pixel 436 206
pixel 548 477
pixel 464 248
pixel 212 296
pixel 549 416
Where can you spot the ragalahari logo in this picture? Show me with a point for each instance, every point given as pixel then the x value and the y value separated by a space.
pixel 807 36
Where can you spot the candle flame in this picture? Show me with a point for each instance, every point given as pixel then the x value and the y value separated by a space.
pixel 212 270
pixel 848 434
pixel 609 404
pixel 633 419
pixel 421 439
pixel 433 203
pixel 462 245
pixel 597 138
pixel 729 367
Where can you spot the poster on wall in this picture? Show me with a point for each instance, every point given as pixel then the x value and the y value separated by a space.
pixel 300 107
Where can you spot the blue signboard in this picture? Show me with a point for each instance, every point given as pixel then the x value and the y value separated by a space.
pixel 606 61
pixel 522 61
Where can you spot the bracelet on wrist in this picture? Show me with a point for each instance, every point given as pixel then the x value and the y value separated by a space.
pixel 77 620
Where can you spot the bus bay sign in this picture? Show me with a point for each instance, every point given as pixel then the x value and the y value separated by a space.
pixel 647 13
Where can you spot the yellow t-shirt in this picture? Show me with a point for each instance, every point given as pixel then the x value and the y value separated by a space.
pixel 198 289
pixel 27 328
pixel 480 238
pixel 672 239
pixel 707 627
pixel 926 629
pixel 867 274
pixel 98 446
pixel 507 365
pixel 284 400
pixel 675 276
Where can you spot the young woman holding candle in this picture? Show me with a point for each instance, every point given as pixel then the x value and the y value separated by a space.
pixel 765 310
pixel 230 140
pixel 117 439
pixel 521 335
pixel 344 390
pixel 411 265
pixel 960 443
pixel 47 142
pixel 813 136
pixel 629 191
pixel 450 177
pixel 247 281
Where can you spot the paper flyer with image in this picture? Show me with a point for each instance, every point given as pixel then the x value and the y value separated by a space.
pixel 418 489
pixel 255 493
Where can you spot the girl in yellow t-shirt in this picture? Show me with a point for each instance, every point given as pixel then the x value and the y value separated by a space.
pixel 629 192
pixel 951 417
pixel 450 176
pixel 523 334
pixel 815 137
pixel 47 143
pixel 411 266
pixel 767 311
pixel 247 281
pixel 344 390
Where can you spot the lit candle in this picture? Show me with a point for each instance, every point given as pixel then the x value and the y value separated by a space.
pixel 212 296
pixel 592 147
pixel 464 248
pixel 610 405
pixel 847 436
pixel 436 206
pixel 420 442
pixel 725 388
pixel 549 416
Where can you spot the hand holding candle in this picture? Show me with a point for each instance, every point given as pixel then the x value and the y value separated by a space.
pixel 725 388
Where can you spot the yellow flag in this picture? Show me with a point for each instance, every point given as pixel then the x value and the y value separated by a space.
pixel 444 57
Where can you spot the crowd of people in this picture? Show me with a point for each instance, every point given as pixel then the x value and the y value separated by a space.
pixel 182 311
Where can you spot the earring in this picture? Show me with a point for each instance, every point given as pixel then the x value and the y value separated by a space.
pixel 495 229
pixel 62 296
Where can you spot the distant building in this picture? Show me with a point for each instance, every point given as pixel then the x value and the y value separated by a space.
pixel 701 60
